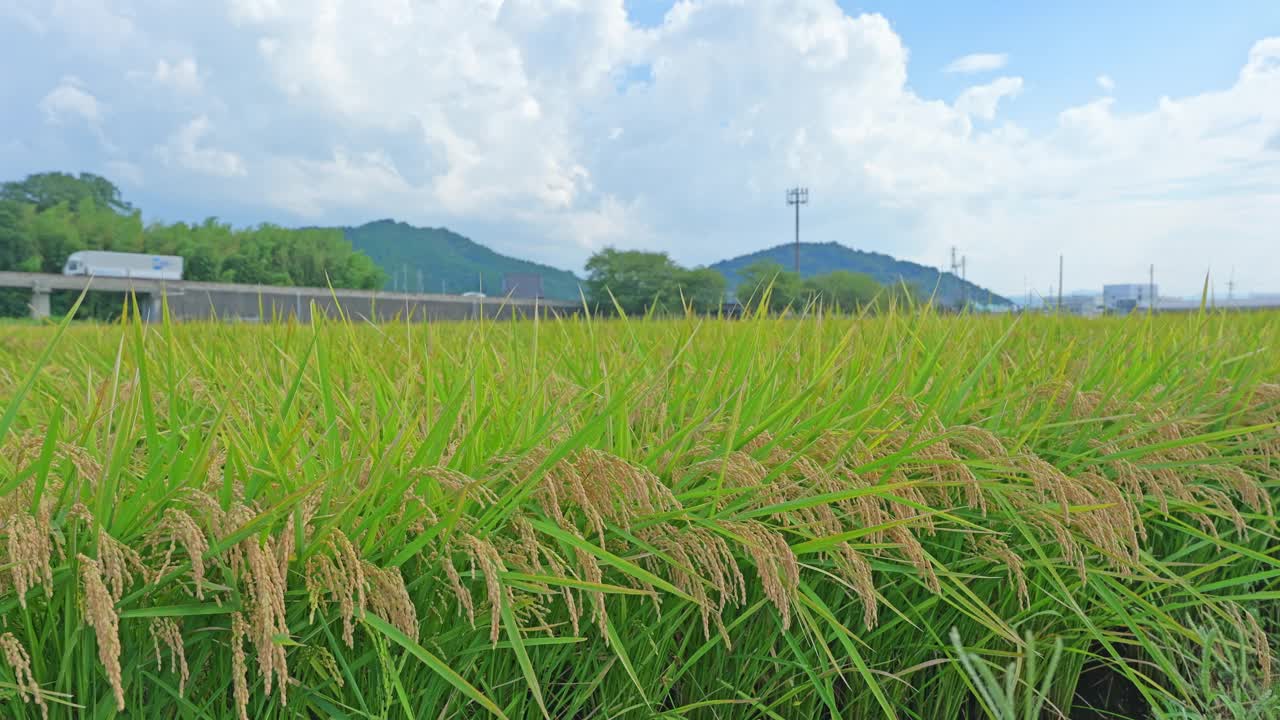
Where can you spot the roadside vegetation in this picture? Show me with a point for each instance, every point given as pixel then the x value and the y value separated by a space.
pixel 906 515
pixel 47 216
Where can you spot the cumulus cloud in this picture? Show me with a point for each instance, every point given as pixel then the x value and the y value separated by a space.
pixel 182 75
pixel 184 149
pixel 981 100
pixel 549 128
pixel 69 100
pixel 1106 83
pixel 977 63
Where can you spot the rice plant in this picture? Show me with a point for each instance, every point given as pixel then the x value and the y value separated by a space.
pixel 779 517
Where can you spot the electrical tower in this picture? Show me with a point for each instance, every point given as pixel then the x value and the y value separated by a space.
pixel 798 196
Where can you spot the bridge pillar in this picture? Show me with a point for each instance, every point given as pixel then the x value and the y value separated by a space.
pixel 39 303
pixel 152 307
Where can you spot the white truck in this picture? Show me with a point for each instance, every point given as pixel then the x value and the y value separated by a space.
pixel 123 265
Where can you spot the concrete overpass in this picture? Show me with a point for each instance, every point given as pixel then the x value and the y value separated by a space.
pixel 189 300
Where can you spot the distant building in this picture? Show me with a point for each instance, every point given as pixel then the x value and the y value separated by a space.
pixel 522 285
pixel 1125 298
pixel 1248 302
pixel 1086 304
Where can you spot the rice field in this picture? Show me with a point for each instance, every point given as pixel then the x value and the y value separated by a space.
pixel 908 516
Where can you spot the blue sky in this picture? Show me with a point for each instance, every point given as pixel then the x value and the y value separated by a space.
pixel 1117 134
pixel 1150 49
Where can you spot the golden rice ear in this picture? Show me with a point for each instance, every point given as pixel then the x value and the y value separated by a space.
pixel 1261 648
pixel 389 599
pixel 265 592
pixel 704 564
pixel 486 557
pixel 857 571
pixel 776 565
pixel 460 592
pixel 179 528
pixel 340 575
pixel 30 549
pixel 995 547
pixel 239 669
pixel 1048 481
pixel 115 560
pixel 915 554
pixel 165 631
pixel 100 614
pixel 19 661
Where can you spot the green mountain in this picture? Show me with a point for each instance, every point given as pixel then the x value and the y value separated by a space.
pixel 819 258
pixel 448 261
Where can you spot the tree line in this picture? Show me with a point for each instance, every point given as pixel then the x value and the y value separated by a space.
pixel 47 216
pixel 638 283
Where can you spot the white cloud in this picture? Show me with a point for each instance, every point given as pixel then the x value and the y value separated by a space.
pixel 99 26
pixel 27 16
pixel 981 100
pixel 183 149
pixel 977 63
pixel 182 76
pixel 70 100
pixel 310 187
pixel 554 127
pixel 1106 83
pixel 125 172
pixel 255 11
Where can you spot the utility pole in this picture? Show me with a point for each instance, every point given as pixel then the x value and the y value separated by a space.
pixel 1151 288
pixel 1059 283
pixel 956 271
pixel 420 288
pixel 798 196
pixel 1231 285
pixel 964 282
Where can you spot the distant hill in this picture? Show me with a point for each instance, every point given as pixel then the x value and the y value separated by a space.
pixel 819 258
pixel 444 256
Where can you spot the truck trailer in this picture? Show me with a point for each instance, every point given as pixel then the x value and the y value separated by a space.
pixel 123 265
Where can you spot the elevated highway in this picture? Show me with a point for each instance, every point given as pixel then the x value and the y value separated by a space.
pixel 189 300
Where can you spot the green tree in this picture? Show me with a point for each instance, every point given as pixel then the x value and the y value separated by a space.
pixel 702 289
pixel 636 280
pixel 45 190
pixel 767 279
pixel 17 246
pixel 17 252
pixel 844 290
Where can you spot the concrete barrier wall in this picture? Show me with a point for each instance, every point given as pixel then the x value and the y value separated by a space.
pixel 284 304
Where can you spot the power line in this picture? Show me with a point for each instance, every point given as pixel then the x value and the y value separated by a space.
pixel 798 196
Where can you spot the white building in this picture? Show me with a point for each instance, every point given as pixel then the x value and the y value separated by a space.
pixel 1124 298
